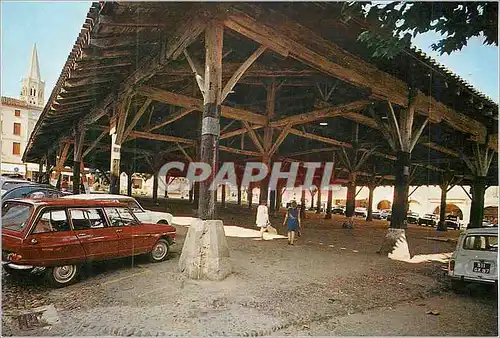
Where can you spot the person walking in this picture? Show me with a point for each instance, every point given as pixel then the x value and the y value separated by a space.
pixel 292 221
pixel 262 220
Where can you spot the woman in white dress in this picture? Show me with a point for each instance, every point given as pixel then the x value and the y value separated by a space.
pixel 262 220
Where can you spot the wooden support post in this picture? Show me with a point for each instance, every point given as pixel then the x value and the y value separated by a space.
pixel 211 115
pixel 223 195
pixel 351 196
pixel 40 171
pixel 303 204
pixel 318 204
pixel 401 186
pixel 191 192
pixel 264 184
pixel 114 184
pixel 328 214
pixel 239 194
pixel 478 190
pixel 249 196
pixel 129 183
pixel 279 198
pixel 371 189
pixel 77 158
pixel 312 198
pixel 272 201
pixel 155 187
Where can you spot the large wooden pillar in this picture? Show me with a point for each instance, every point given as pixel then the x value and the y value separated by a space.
pixel 351 196
pixel 478 189
pixel 211 115
pixel 40 171
pixel 77 158
pixel 479 165
pixel 401 187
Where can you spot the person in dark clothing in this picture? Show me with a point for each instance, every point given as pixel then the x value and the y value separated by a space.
pixel 292 221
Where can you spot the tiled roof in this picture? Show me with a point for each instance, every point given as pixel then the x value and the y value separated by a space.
pixel 426 58
pixel 10 101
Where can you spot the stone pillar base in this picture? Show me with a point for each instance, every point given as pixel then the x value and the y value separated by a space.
pixel 395 245
pixel 205 254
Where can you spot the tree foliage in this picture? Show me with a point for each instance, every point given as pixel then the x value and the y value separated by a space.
pixel 392 25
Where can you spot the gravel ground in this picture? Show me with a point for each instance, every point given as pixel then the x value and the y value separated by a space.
pixel 330 283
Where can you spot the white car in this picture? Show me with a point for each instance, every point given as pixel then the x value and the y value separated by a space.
pixel 146 216
pixel 475 258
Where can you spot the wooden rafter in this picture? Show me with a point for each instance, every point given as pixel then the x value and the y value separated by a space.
pixel 171 49
pixel 279 140
pixel 160 137
pixel 197 70
pixel 95 142
pixel 136 118
pixel 254 137
pixel 286 36
pixel 321 114
pixel 197 104
pixel 240 71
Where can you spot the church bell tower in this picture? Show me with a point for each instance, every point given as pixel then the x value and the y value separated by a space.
pixel 32 89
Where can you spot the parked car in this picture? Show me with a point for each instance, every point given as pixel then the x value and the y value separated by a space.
pixel 147 216
pixel 452 221
pixel 32 191
pixel 338 211
pixel 58 236
pixel 360 212
pixel 7 183
pixel 475 258
pixel 429 220
pixel 412 218
pixel 376 214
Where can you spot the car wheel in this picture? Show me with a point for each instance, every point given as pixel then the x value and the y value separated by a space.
pixel 160 251
pixel 162 222
pixel 60 276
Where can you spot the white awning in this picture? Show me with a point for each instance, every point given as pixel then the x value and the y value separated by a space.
pixel 11 168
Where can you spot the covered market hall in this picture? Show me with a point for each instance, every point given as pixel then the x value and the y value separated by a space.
pixel 151 82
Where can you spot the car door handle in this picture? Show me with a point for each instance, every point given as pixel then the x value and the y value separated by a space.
pixel 34 241
pixel 83 235
pixel 119 230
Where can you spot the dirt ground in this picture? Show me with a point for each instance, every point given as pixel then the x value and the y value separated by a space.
pixel 330 283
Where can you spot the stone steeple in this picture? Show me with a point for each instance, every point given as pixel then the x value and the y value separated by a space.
pixel 32 89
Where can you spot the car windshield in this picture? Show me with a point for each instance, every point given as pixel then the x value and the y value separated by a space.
pixel 15 215
pixel 133 205
pixel 481 243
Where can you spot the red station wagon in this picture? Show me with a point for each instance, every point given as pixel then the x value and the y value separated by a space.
pixel 62 234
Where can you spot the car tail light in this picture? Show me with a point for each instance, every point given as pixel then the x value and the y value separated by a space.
pixel 451 265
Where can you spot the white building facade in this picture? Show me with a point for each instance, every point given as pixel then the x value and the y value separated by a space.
pixel 18 119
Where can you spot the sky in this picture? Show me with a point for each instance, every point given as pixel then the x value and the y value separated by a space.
pixel 54 26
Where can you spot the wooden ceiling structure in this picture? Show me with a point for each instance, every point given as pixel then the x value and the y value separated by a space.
pixel 297 86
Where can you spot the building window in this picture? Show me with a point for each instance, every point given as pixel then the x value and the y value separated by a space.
pixel 16 148
pixel 17 128
pixel 17 112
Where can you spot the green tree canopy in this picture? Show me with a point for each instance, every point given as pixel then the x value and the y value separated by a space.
pixel 391 26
